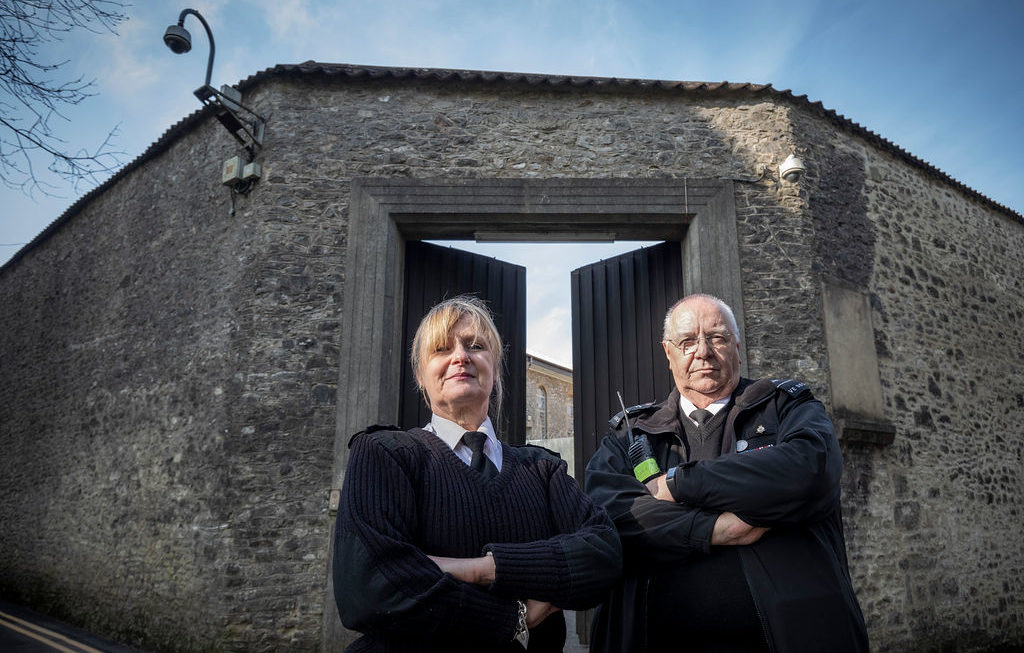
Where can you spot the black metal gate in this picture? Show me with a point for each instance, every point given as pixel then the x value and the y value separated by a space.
pixel 433 273
pixel 618 307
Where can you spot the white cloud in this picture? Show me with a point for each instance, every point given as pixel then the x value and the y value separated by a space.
pixel 288 19
pixel 550 335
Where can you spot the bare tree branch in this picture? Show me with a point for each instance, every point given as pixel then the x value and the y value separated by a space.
pixel 32 94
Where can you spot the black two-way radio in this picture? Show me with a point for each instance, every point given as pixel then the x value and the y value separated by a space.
pixel 641 456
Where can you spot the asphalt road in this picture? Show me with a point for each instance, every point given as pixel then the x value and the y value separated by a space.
pixel 24 631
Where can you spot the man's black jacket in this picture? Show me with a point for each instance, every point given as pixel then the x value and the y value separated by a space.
pixel 786 478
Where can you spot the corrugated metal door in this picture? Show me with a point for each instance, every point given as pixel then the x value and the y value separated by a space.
pixel 433 273
pixel 618 307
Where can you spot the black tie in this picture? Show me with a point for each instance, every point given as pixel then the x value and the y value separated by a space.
pixel 480 462
pixel 700 416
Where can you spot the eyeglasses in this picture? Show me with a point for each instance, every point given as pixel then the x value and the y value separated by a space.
pixel 716 341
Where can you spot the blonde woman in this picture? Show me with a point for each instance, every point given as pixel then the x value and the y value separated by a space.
pixel 447 538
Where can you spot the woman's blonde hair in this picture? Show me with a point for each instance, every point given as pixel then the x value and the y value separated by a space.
pixel 435 331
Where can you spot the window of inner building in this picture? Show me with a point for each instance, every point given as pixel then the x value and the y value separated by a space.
pixel 542 411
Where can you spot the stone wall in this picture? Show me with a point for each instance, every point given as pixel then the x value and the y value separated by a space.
pixel 170 434
pixel 933 521
pixel 167 413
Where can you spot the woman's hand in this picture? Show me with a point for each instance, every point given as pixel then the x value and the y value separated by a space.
pixel 477 571
pixel 538 611
pixel 480 571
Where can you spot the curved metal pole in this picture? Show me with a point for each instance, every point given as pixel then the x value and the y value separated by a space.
pixel 209 34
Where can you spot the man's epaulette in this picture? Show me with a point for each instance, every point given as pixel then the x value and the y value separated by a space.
pixel 632 411
pixel 794 388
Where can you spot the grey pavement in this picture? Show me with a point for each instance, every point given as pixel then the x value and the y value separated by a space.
pixel 572 642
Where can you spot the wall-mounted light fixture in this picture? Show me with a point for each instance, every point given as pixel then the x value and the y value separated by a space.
pixel 247 129
pixel 791 169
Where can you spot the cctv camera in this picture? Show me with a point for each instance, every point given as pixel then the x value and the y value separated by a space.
pixel 178 39
pixel 791 169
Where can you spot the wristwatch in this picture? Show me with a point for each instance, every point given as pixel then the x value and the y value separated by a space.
pixel 522 632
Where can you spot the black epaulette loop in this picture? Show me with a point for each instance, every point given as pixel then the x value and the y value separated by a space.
pixel 632 411
pixel 529 446
pixel 793 387
pixel 371 429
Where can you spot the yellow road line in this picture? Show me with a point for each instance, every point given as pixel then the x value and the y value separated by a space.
pixel 41 634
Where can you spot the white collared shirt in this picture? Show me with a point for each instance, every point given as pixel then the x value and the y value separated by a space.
pixel 687 407
pixel 451 434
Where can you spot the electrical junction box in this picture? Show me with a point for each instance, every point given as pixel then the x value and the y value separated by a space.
pixel 231 172
pixel 251 171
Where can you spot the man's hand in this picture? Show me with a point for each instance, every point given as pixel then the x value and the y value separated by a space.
pixel 478 571
pixel 538 611
pixel 730 530
pixel 658 488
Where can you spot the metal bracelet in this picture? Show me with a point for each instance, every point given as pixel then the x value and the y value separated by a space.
pixel 522 632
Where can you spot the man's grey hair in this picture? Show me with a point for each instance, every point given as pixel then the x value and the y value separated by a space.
pixel 730 319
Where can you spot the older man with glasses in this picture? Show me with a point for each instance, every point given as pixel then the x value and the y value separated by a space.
pixel 726 499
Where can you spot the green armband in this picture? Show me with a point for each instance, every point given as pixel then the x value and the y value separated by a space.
pixel 645 470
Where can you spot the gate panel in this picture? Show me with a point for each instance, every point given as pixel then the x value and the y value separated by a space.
pixel 618 307
pixel 433 273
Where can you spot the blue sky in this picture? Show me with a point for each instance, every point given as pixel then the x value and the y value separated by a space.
pixel 943 80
